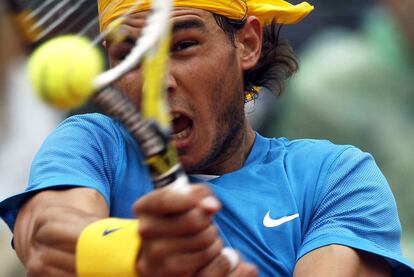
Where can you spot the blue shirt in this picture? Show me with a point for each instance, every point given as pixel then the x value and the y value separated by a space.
pixel 330 194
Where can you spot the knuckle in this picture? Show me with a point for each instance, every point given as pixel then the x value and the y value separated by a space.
pixel 252 271
pixel 204 273
pixel 35 267
pixel 197 220
pixel 41 233
pixel 176 267
pixel 211 234
pixel 246 270
pixel 42 217
pixel 143 268
pixel 157 252
pixel 145 204
pixel 144 228
pixel 207 237
pixel 149 228
pixel 137 207
pixel 164 203
pixel 40 221
pixel 206 255
pixel 223 263
pixel 42 224
pixel 201 191
pixel 214 250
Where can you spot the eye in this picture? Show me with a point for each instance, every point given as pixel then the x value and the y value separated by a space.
pixel 120 55
pixel 183 45
pixel 118 52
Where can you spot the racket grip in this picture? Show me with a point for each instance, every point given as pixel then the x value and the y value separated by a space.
pixel 180 185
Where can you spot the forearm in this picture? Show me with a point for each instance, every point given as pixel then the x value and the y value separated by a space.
pixel 52 221
pixel 337 260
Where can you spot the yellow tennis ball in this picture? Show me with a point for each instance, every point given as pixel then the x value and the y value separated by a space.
pixel 62 70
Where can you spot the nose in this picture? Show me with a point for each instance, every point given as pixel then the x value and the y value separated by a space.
pixel 171 82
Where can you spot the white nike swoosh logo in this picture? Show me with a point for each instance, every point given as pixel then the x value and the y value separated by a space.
pixel 270 222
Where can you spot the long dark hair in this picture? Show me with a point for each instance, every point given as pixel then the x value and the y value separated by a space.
pixel 277 61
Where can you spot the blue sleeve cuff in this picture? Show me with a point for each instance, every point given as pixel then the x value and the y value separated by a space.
pixel 10 207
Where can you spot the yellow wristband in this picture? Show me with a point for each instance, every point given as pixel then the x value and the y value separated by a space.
pixel 108 247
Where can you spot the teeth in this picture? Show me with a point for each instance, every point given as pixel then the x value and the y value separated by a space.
pixel 175 115
pixel 183 134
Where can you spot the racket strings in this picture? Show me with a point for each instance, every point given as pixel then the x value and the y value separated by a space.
pixel 39 21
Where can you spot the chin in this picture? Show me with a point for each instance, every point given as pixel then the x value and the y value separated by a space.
pixel 188 163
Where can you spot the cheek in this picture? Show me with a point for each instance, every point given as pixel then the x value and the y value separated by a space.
pixel 131 86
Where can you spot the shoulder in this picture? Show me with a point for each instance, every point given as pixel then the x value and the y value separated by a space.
pixel 309 146
pixel 93 122
pixel 83 149
pixel 303 155
pixel 93 130
pixel 317 167
pixel 316 170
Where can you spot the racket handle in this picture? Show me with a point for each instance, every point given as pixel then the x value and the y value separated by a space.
pixel 181 184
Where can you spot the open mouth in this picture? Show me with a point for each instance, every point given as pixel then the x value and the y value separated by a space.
pixel 182 126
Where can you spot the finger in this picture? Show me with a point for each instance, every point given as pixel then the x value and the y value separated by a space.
pixel 193 261
pixel 52 257
pixel 189 223
pixel 232 256
pixel 51 272
pixel 166 201
pixel 178 265
pixel 61 235
pixel 222 265
pixel 159 249
pixel 49 262
pixel 210 205
pixel 244 270
pixel 60 229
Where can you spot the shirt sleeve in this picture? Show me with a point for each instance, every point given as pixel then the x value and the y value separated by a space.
pixel 81 152
pixel 355 207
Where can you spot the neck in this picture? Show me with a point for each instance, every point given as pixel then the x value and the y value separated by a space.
pixel 234 159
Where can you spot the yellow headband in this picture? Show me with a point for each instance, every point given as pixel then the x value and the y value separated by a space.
pixel 265 10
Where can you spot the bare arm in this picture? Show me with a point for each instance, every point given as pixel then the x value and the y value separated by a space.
pixel 48 226
pixel 341 261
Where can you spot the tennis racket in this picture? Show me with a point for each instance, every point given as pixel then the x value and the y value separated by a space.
pixel 39 21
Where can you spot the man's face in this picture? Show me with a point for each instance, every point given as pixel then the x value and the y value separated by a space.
pixel 205 87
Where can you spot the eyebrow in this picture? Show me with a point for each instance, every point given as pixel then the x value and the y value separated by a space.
pixel 177 26
pixel 189 24
pixel 128 40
